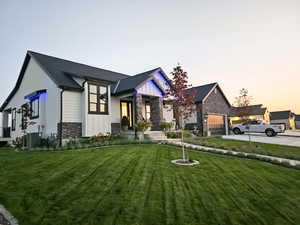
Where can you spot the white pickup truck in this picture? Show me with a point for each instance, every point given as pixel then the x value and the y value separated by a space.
pixel 257 126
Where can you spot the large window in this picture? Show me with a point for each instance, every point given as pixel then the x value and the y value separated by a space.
pixel 148 111
pixel 98 99
pixel 34 108
pixel 13 119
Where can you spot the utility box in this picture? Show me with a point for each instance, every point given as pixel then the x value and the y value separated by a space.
pixel 33 140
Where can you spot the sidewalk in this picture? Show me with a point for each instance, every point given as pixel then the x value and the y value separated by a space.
pixel 218 150
pixel 291 133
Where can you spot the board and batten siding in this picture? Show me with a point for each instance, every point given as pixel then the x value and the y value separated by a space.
pixel 35 78
pixel 72 106
pixel 150 89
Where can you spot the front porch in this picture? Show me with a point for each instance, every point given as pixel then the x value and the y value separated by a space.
pixel 138 107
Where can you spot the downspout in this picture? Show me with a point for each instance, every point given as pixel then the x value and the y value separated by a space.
pixel 61 117
pixel 83 111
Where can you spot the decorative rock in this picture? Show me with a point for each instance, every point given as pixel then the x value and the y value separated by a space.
pixel 6 218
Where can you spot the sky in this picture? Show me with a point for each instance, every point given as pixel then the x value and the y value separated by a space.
pixel 239 44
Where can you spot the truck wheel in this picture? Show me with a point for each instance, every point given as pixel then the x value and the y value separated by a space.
pixel 270 133
pixel 237 131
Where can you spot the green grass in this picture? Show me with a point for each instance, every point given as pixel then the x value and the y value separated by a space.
pixel 283 151
pixel 137 184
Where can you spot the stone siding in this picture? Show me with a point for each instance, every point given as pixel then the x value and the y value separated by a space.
pixel 70 129
pixel 138 107
pixel 156 113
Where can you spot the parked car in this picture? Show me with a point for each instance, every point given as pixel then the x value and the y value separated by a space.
pixel 257 126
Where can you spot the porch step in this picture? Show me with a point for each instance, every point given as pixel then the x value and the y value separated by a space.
pixel 155 135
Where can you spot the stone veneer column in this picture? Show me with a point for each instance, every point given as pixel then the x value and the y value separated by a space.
pixel 156 112
pixel 138 104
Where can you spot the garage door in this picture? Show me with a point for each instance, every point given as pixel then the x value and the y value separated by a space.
pixel 216 124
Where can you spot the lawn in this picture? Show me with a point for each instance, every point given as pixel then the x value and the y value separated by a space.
pixel 283 151
pixel 137 184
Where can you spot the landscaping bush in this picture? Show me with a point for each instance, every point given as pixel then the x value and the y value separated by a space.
pixel 142 126
pixel 166 126
pixel 177 134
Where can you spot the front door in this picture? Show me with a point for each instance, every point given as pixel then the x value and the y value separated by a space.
pixel 126 110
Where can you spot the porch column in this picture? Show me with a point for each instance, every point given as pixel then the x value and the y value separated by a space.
pixel 138 107
pixel 156 112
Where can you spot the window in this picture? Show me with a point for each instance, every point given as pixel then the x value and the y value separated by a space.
pixel 98 99
pixel 147 111
pixel 13 119
pixel 34 108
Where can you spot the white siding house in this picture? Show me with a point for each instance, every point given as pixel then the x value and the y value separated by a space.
pixel 69 99
pixel 36 79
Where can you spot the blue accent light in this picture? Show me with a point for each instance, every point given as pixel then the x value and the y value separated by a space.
pixel 35 94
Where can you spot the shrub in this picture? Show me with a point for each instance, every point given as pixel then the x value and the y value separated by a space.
pixel 100 138
pixel 177 134
pixel 18 142
pixel 142 126
pixel 71 143
pixel 166 126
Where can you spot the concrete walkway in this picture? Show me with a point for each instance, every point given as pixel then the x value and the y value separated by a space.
pixel 218 150
pixel 262 138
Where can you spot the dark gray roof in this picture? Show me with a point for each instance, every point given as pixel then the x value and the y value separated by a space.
pixel 202 91
pixel 297 117
pixel 279 115
pixel 61 71
pixel 248 110
pixel 130 83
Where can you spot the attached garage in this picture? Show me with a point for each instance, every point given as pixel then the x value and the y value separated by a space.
pixel 216 124
pixel 212 110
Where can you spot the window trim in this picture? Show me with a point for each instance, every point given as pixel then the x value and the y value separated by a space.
pixel 38 108
pixel 13 119
pixel 97 112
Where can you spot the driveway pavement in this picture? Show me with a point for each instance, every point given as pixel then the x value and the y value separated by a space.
pixel 279 140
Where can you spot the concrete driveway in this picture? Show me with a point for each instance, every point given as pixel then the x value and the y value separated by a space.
pixel 279 140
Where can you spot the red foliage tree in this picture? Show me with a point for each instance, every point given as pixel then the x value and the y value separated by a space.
pixel 183 100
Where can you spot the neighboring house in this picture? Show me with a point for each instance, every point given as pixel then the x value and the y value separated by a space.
pixel 212 110
pixel 283 117
pixel 297 121
pixel 70 99
pixel 251 112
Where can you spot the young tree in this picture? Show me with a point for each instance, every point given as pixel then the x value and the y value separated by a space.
pixel 183 101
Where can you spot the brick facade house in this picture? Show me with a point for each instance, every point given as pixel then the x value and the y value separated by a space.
pixel 211 116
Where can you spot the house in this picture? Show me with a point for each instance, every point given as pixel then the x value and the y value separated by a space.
pixel 297 121
pixel 251 112
pixel 69 99
pixel 212 110
pixel 283 117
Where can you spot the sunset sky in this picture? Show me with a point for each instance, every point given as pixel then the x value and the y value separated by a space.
pixel 239 44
